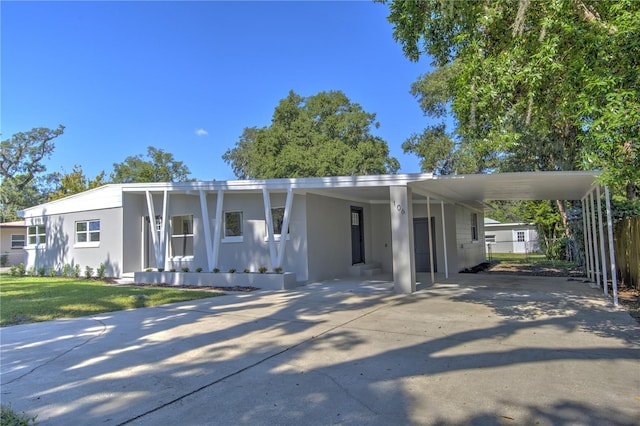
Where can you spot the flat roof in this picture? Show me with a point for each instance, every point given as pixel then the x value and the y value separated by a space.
pixel 512 186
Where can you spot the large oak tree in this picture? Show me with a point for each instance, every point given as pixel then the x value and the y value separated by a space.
pixel 320 135
pixel 551 85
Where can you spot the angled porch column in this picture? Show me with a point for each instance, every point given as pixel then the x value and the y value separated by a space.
pixel 404 271
pixel 285 228
pixel 204 209
pixel 159 241
pixel 217 229
pixel 270 237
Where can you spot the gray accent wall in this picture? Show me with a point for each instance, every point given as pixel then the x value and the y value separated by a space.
pixel 329 236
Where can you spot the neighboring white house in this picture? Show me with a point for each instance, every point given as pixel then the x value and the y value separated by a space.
pixel 333 226
pixel 13 236
pixel 510 237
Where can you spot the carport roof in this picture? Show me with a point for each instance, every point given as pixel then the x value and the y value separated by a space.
pixel 510 186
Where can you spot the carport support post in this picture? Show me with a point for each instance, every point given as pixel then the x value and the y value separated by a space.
pixel 444 239
pixel 612 255
pixel 595 237
pixel 433 277
pixel 603 253
pixel 589 243
pixel 404 271
pixel 585 239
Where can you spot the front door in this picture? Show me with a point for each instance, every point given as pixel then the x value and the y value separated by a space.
pixel 421 244
pixel 357 236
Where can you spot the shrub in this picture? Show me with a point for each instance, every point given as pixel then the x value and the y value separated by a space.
pixel 216 270
pixel 246 270
pixel 17 270
pixel 66 270
pixel 88 272
pixel 52 272
pixel 160 269
pixel 76 270
pixel 148 270
pixel 101 270
pixel 31 271
pixel 198 269
pixel 172 270
pixel 10 417
pixel 42 271
pixel 278 270
pixel 262 269
pixel 232 270
pixel 185 269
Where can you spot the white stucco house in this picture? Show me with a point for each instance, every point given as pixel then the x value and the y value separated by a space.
pixel 312 228
pixel 503 237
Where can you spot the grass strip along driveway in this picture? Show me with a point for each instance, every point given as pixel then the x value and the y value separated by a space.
pixel 33 299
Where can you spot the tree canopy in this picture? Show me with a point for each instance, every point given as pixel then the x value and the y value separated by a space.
pixel 159 166
pixel 532 85
pixel 22 168
pixel 75 182
pixel 321 135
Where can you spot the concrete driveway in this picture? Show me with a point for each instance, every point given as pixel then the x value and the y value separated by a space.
pixel 474 349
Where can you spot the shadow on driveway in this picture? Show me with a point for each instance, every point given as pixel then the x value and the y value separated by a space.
pixel 471 349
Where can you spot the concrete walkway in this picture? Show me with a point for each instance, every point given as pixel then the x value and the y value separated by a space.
pixel 474 349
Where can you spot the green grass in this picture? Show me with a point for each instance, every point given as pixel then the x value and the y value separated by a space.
pixel 533 258
pixel 34 299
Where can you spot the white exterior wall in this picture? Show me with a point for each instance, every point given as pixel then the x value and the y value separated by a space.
pixel 470 252
pixel 61 247
pixel 505 238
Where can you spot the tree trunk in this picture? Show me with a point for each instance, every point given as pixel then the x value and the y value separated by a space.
pixel 632 191
pixel 563 215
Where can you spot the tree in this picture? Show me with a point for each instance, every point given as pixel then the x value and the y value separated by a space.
pixel 75 182
pixel 533 85
pixel 159 166
pixel 21 168
pixel 321 135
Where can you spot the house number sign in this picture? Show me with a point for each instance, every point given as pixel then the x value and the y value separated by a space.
pixel 398 207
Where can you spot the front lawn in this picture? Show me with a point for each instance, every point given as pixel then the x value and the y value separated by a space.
pixel 33 299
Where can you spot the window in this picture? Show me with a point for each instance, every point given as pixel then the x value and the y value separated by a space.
pixel 182 236
pixel 520 236
pixel 88 231
pixel 17 241
pixel 490 238
pixel 474 226
pixel 36 235
pixel 233 224
pixel 277 215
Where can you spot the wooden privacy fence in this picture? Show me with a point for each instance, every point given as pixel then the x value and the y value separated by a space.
pixel 627 247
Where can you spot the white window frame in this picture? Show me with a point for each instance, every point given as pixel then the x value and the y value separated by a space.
pixel 182 235
pixel 14 241
pixel 39 236
pixel 490 239
pixel 88 232
pixel 522 232
pixel 474 226
pixel 276 235
pixel 232 238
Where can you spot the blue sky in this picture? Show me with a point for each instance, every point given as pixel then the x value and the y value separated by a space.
pixel 188 77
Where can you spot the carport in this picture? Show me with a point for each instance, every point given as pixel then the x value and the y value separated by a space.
pixel 567 186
